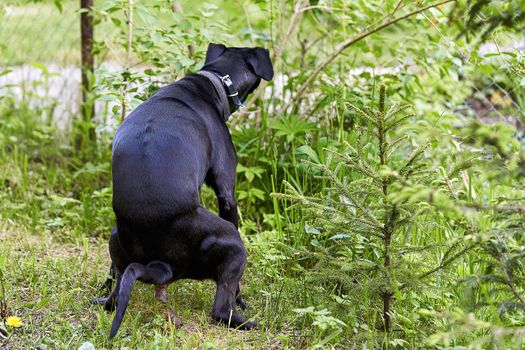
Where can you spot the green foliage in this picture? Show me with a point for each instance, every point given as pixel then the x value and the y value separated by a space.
pixel 484 16
pixel 368 222
pixel 44 184
pixel 498 286
pixel 434 190
pixel 491 335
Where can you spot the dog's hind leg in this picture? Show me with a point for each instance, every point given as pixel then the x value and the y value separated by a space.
pixel 111 302
pixel 115 253
pixel 228 251
pixel 108 283
pixel 229 274
pixel 222 254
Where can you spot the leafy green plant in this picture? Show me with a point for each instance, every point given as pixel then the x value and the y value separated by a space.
pixel 139 36
pixel 327 325
pixel 453 210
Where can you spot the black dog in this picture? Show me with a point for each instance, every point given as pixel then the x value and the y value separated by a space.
pixel 162 154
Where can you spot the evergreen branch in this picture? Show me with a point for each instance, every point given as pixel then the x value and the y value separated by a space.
pixel 394 110
pixel 443 264
pixel 451 248
pixel 351 162
pixel 361 165
pixel 419 249
pixel 314 203
pixel 406 220
pixel 509 281
pixel 407 169
pixel 373 112
pixel 507 276
pixel 415 171
pixel 343 188
pixel 398 122
pixel 363 230
pixel 393 145
pixel 465 164
pixel 449 186
pixel 355 151
pixel 362 113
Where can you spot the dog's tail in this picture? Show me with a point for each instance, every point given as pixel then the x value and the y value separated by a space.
pixel 155 272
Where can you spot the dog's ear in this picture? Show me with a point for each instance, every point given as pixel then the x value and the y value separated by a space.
pixel 214 51
pixel 259 59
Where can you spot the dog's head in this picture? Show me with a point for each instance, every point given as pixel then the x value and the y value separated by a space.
pixel 245 66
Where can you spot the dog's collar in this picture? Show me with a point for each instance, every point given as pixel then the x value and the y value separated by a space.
pixel 226 91
pixel 232 93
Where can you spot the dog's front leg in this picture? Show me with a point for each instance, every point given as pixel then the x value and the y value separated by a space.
pixel 224 187
pixel 228 208
pixel 223 183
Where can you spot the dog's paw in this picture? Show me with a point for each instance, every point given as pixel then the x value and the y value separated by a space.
pixel 247 326
pixel 110 305
pixel 242 303
pixel 98 301
pixel 235 320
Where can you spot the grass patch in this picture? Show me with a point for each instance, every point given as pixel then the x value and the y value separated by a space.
pixel 49 285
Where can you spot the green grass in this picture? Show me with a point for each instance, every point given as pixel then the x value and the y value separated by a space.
pixel 49 285
pixel 55 216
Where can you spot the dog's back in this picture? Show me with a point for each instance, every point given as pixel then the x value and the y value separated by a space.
pixel 157 168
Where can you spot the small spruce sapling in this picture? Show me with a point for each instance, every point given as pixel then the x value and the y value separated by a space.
pixel 378 205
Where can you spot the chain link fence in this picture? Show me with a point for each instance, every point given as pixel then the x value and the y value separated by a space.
pixel 498 96
pixel 40 57
pixel 40 65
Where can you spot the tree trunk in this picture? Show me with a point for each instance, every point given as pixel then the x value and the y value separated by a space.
pixel 87 64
